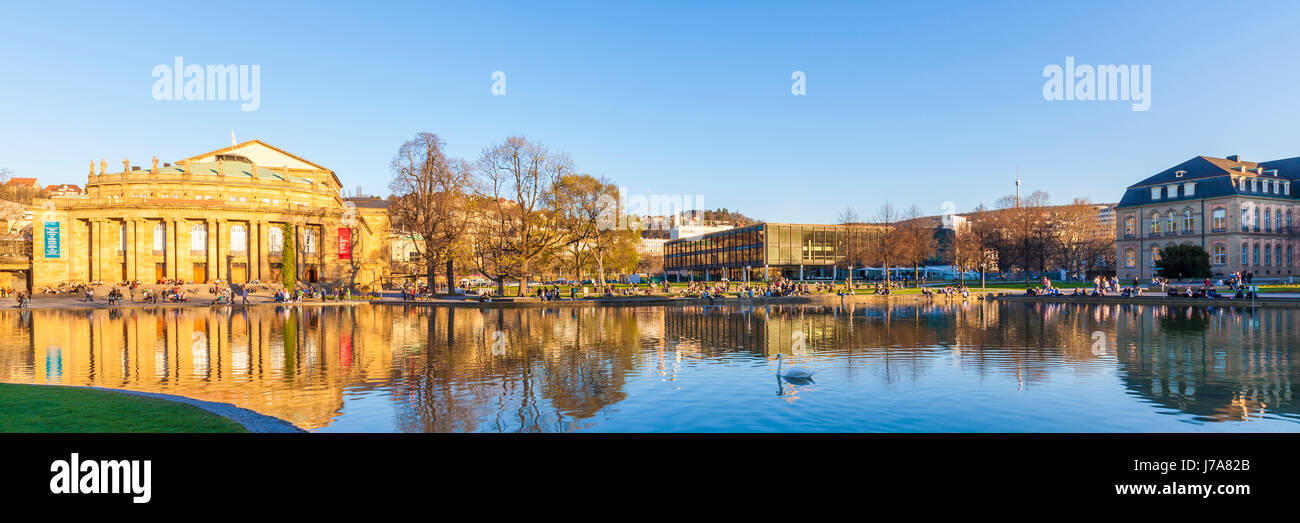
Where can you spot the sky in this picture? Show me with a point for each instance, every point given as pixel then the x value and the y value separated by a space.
pixel 926 104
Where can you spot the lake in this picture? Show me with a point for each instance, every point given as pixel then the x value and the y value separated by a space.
pixel 905 367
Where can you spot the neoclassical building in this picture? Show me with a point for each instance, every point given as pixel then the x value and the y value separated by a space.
pixel 1241 212
pixel 218 216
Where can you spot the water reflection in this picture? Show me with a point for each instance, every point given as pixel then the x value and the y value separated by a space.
pixel 928 367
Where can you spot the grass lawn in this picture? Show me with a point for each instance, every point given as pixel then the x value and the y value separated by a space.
pixel 43 409
pixel 1278 288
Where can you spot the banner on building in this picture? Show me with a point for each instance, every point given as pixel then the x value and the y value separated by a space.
pixel 51 239
pixel 345 243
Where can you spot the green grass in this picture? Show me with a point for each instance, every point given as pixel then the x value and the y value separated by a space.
pixel 44 409
pixel 1278 288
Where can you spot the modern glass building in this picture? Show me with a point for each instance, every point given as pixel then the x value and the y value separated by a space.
pixel 763 251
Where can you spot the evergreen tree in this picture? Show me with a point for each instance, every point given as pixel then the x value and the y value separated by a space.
pixel 1184 261
pixel 288 262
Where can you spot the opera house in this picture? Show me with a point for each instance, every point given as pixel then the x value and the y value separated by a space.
pixel 218 216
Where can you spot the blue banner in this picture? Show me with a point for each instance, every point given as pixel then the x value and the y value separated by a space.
pixel 51 239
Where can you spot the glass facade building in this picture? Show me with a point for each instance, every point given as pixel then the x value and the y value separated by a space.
pixel 763 251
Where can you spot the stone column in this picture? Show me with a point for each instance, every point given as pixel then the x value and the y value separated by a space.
pixel 328 248
pixel 254 251
pixel 265 253
pixel 182 247
pixel 131 257
pixel 223 250
pixel 211 250
pixel 97 250
pixel 169 248
pixel 259 261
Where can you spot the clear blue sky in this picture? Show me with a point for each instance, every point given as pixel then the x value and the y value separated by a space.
pixel 912 103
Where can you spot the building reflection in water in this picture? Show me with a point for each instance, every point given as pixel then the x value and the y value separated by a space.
pixel 436 369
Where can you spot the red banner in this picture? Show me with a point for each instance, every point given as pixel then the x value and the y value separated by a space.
pixel 345 243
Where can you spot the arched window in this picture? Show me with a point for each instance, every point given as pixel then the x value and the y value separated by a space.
pixel 1245 253
pixel 1277 220
pixel 1254 258
pixel 1187 221
pixel 1277 255
pixel 1220 254
pixel 1268 219
pixel 1130 226
pixel 1288 255
pixel 1130 258
pixel 1268 255
pixel 1155 223
pixel 1256 222
pixel 1170 224
pixel 159 237
pixel 1220 220
pixel 238 239
pixel 1155 255
pixel 199 237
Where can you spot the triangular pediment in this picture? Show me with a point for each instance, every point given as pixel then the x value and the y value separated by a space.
pixel 262 154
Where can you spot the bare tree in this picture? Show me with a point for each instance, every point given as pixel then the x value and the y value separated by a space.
pixel 1026 234
pixel 429 202
pixel 915 242
pixel 517 221
pixel 855 245
pixel 883 238
pixel 1076 227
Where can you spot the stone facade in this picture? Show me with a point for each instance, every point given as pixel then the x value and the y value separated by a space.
pixel 1240 212
pixel 219 216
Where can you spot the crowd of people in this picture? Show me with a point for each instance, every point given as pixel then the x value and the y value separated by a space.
pixel 1207 288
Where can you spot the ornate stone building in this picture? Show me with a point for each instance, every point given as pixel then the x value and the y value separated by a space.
pixel 1239 211
pixel 218 216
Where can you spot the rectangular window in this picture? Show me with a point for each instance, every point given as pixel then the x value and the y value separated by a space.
pixel 1189 189
pixel 275 240
pixel 1155 193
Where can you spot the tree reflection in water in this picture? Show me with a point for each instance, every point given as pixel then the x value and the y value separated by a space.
pixel 909 366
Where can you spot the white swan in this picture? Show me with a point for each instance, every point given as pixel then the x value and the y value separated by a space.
pixel 792 372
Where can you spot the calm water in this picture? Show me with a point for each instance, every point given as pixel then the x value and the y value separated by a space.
pixel 950 367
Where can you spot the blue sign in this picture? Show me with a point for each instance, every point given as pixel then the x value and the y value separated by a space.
pixel 51 239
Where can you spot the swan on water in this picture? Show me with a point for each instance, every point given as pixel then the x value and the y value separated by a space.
pixel 792 372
